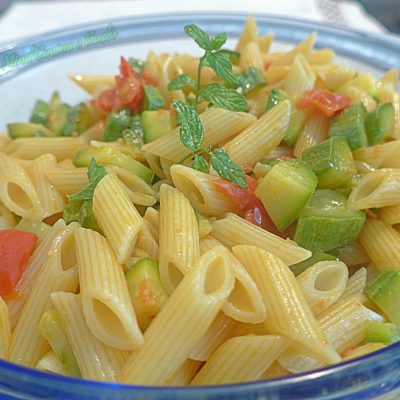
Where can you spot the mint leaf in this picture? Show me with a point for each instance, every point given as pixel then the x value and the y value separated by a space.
pixel 153 96
pixel 192 131
pixel 95 174
pixel 227 169
pixel 251 79
pixel 181 81
pixel 200 163
pixel 234 56
pixel 71 211
pixel 223 97
pixel 222 66
pixel 199 36
pixel 137 65
pixel 82 212
pixel 218 41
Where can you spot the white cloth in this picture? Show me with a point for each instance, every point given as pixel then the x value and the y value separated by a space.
pixel 26 19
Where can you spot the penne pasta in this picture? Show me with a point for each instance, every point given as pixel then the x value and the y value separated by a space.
pixel 5 330
pixel 300 77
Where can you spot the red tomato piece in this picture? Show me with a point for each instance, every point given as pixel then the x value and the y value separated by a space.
pixel 128 92
pixel 324 100
pixel 251 183
pixel 15 250
pixel 248 205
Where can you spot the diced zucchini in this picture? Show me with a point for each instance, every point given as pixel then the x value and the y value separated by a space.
pixel 51 329
pixel 153 98
pixel 332 161
pixel 116 123
pixel 37 227
pixel 146 290
pixel 275 97
pixel 384 291
pixel 285 191
pixel 326 223
pixel 110 156
pixel 300 267
pixel 350 124
pixel 203 224
pixel 381 332
pixel 296 125
pixel 40 112
pixel 86 117
pixel 21 130
pixel 58 114
pixel 379 123
pixel 157 124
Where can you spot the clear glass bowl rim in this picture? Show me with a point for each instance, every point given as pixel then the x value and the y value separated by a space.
pixel 342 40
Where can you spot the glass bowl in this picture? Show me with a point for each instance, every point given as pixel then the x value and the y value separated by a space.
pixel 33 68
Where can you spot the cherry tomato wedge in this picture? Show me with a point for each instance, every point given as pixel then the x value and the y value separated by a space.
pixel 324 100
pixel 128 92
pixel 248 205
pixel 15 250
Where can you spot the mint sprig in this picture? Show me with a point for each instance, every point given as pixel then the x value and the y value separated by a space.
pixel 191 128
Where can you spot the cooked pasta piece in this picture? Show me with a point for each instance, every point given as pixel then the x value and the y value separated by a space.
pixel 116 216
pixel 258 139
pixel 17 191
pixel 331 76
pixel 382 243
pixel 198 188
pixel 241 359
pixel 353 254
pixel 275 371
pixel 184 375
pixel 380 188
pixel 59 273
pixel 315 131
pixel 7 218
pixel 323 283
pixel 300 77
pixel 288 312
pixel 152 216
pixel 362 350
pixel 182 321
pixel 35 264
pixel 67 181
pixel 219 331
pixel 355 284
pixel 178 237
pixel 50 198
pixel 106 303
pixel 383 155
pixel 5 330
pixel 343 324
pixel 233 230
pixel 96 360
pixel 251 57
pixel 93 84
pixel 52 364
pixel 146 241
pixel 31 148
pixel 248 34
pixel 219 125
pixel 390 215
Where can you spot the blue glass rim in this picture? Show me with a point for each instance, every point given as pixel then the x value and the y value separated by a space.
pixel 373 49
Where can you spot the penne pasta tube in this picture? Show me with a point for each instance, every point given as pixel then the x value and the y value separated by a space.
pixel 35 264
pixel 106 302
pixel 147 242
pixel 67 181
pixel 355 284
pixel 7 218
pixel 390 215
pixel 248 34
pixel 182 321
pixel 31 148
pixel 96 360
pixel 50 363
pixel 233 230
pixel 383 155
pixel 380 188
pixel 219 125
pixel 300 77
pixel 178 237
pixel 288 312
pixel 353 254
pixel 184 375
pixel 331 76
pixel 93 84
pixel 116 216
pixel 17 191
pixel 382 243
pixel 59 273
pixel 50 198
pixel 220 330
pixel 198 188
pixel 240 359
pixel 362 350
pixel 343 324
pixel 258 139
pixel 275 371
pixel 251 57
pixel 323 283
pixel 5 330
